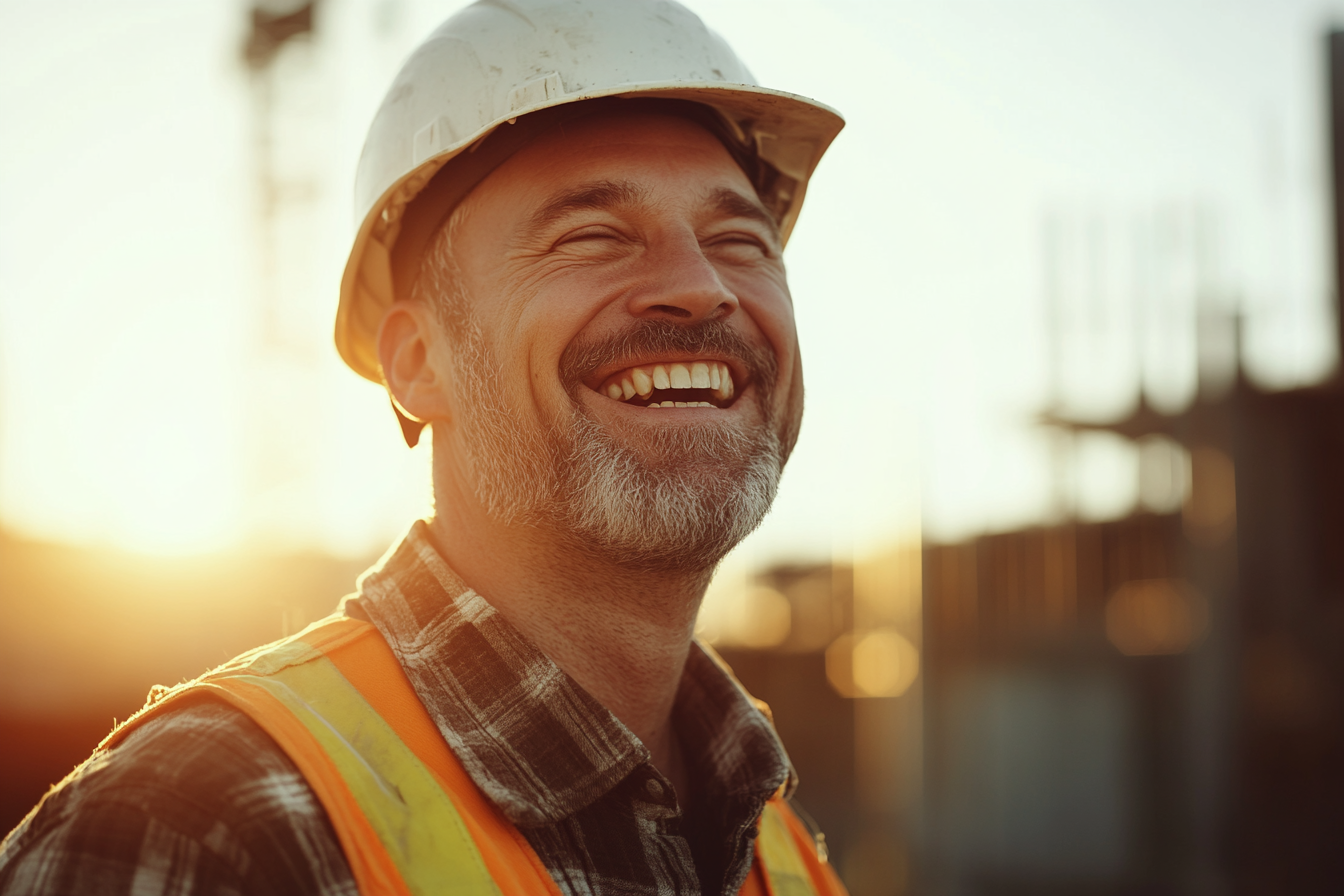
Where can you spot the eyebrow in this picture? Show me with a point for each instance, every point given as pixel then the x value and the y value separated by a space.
pixel 603 195
pixel 734 204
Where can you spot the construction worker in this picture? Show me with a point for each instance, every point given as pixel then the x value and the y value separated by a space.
pixel 568 266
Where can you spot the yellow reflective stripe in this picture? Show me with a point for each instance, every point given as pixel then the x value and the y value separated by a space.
pixel 416 821
pixel 785 870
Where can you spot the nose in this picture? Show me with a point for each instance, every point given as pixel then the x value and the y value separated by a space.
pixel 679 283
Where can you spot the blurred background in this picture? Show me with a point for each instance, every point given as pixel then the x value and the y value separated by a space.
pixel 1052 600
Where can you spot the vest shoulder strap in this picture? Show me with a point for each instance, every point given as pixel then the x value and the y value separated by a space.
pixel 790 857
pixel 409 818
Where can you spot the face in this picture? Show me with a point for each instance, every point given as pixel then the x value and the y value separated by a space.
pixel 625 363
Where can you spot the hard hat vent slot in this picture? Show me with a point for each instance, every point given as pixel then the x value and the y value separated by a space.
pixel 535 92
pixel 433 137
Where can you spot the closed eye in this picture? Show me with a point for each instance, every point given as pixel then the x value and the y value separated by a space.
pixel 589 234
pixel 741 245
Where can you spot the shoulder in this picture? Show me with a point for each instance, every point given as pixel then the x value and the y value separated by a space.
pixel 199 800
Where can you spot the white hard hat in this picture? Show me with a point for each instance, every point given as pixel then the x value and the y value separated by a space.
pixel 500 60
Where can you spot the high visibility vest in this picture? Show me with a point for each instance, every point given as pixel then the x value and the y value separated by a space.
pixel 407 815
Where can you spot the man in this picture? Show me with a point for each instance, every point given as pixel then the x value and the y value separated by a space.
pixel 569 268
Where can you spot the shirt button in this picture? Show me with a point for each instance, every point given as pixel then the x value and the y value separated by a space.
pixel 654 788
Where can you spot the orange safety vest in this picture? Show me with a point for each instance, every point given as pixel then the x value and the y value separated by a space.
pixel 408 817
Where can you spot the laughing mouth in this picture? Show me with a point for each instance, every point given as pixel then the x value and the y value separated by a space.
pixel 676 384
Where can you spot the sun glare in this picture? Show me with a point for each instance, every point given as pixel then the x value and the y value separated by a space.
pixel 171 498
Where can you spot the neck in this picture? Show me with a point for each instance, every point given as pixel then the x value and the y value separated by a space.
pixel 622 634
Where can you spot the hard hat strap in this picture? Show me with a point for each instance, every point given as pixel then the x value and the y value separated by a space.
pixel 410 429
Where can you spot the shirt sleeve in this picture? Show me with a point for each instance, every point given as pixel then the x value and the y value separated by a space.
pixel 198 801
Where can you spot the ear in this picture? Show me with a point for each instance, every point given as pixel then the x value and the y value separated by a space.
pixel 411 352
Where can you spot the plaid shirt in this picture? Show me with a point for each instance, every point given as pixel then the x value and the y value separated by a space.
pixel 202 801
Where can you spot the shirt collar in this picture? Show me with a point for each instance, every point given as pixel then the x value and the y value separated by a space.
pixel 534 741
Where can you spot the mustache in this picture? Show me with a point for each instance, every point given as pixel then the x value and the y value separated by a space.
pixel 660 337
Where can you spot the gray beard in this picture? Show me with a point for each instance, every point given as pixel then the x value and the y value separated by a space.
pixel 679 505
pixel 708 491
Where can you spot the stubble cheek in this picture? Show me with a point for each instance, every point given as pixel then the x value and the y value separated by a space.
pixel 774 317
pixel 792 421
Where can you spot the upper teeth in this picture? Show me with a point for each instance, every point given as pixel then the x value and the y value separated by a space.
pixel 641 381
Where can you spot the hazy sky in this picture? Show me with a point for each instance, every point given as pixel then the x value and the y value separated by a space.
pixel 150 397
